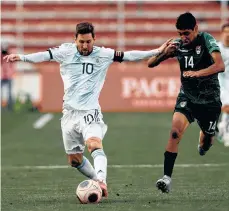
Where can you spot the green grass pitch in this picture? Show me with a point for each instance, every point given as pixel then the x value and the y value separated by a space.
pixel 133 140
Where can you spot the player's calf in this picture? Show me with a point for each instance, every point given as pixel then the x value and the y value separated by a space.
pixel 75 160
pixel 83 165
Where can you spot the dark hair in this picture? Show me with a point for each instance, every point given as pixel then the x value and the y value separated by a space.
pixel 224 26
pixel 85 28
pixel 186 21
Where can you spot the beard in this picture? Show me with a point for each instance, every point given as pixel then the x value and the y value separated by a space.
pixel 84 52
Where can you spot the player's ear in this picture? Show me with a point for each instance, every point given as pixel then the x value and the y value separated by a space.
pixel 75 38
pixel 196 28
pixel 94 38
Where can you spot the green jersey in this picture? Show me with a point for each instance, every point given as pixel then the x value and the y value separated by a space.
pixel 195 57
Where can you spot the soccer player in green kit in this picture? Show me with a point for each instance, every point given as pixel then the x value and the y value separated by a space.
pixel 200 62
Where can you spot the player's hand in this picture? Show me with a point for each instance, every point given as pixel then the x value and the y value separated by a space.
pixel 172 47
pixel 12 58
pixel 164 45
pixel 191 74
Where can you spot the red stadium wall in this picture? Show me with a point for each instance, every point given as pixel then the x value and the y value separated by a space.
pixel 39 25
pixel 128 87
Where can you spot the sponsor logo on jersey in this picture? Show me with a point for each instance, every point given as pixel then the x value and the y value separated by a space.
pixel 198 49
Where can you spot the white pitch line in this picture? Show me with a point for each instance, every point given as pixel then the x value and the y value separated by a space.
pixel 42 121
pixel 120 166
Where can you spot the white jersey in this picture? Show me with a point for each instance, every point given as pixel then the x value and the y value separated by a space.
pixel 83 76
pixel 224 77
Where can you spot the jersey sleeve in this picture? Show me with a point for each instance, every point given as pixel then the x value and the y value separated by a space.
pixel 108 52
pixel 211 43
pixel 114 56
pixel 59 53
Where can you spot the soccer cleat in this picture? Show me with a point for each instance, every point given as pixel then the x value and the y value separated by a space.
pixel 164 184
pixel 103 186
pixel 204 146
pixel 203 151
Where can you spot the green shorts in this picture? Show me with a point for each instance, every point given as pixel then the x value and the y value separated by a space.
pixel 207 115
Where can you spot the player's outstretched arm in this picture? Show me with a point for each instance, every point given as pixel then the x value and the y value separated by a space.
pixel 168 52
pixel 34 57
pixel 140 55
pixel 156 60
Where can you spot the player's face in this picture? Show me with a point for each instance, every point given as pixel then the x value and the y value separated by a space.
pixel 187 35
pixel 225 35
pixel 84 43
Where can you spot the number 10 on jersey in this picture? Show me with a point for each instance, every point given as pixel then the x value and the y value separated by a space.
pixel 88 68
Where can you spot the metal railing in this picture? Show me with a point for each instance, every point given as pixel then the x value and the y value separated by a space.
pixel 119 27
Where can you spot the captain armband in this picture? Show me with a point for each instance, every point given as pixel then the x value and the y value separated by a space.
pixel 118 56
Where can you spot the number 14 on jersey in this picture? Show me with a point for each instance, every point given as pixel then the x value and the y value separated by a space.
pixel 189 61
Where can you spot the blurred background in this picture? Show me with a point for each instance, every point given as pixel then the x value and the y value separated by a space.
pixel 137 104
pixel 31 26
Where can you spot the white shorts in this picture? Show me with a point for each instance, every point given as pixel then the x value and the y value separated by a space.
pixel 78 126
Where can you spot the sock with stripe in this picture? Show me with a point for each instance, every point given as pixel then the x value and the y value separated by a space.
pixel 87 169
pixel 100 164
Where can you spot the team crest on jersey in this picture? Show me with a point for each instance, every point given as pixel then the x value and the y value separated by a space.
pixel 198 49
pixel 97 60
pixel 183 104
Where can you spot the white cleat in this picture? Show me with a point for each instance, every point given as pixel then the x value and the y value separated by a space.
pixel 164 184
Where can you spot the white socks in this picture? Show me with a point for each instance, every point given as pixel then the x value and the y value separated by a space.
pixel 87 169
pixel 100 164
pixel 99 172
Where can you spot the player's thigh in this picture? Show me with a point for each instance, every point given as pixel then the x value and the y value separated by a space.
pixel 92 125
pixel 207 117
pixel 94 135
pixel 95 130
pixel 72 138
pixel 182 116
pixel 183 106
pixel 179 125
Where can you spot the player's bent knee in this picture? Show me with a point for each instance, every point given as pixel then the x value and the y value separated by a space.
pixel 75 160
pixel 175 134
pixel 94 143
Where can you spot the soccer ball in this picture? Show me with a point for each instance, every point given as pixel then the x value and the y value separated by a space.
pixel 89 191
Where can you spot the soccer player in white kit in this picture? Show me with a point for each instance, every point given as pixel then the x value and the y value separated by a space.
pixel 223 125
pixel 83 68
